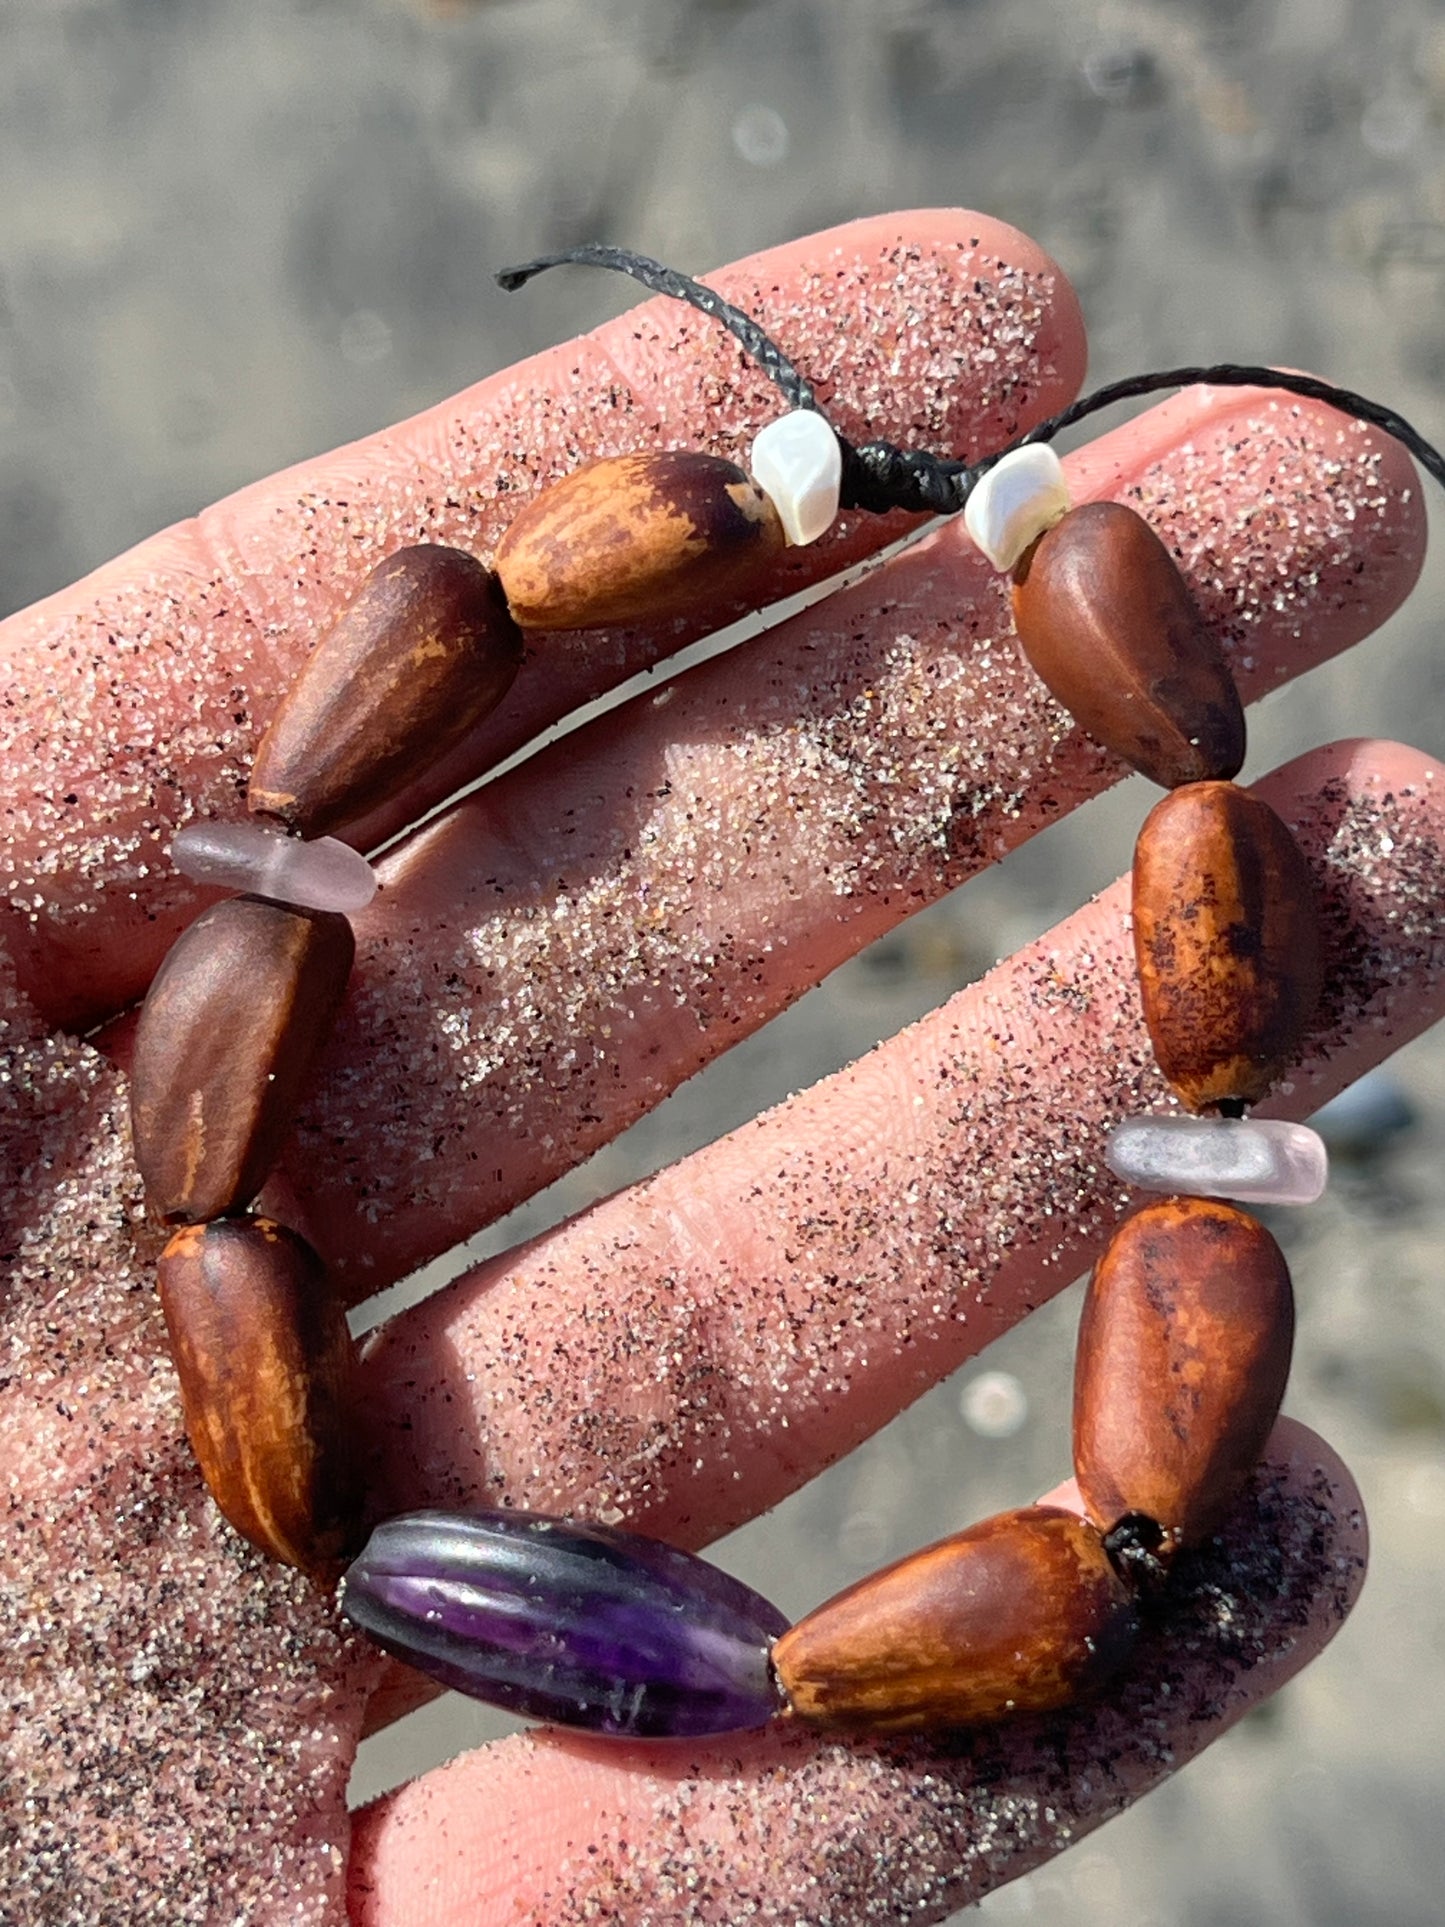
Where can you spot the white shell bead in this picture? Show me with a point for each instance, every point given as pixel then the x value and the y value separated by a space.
pixel 322 874
pixel 797 462
pixel 1253 1160
pixel 1021 496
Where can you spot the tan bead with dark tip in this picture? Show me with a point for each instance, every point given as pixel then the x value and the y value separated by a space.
pixel 1183 1356
pixel 1108 622
pixel 637 538
pixel 266 1366
pixel 1020 1614
pixel 426 650
pixel 1227 942
pixel 227 1037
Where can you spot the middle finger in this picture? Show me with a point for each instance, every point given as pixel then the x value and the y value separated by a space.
pixel 554 956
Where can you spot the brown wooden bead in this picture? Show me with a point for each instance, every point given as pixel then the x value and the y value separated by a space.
pixel 227 1037
pixel 426 650
pixel 1227 941
pixel 1183 1355
pixel 1021 1613
pixel 1108 622
pixel 266 1366
pixel 636 538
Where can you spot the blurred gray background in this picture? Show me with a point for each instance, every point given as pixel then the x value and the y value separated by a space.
pixel 235 235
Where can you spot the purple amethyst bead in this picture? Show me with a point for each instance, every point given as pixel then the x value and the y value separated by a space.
pixel 569 1622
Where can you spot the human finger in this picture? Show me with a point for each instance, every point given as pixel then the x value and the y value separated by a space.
pixel 683 1355
pixel 135 699
pixel 558 953
pixel 790 1826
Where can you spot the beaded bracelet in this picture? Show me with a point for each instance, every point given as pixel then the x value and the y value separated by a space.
pixel 1185 1341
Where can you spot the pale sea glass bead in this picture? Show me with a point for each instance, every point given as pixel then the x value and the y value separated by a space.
pixel 319 874
pixel 1023 494
pixel 798 464
pixel 1251 1160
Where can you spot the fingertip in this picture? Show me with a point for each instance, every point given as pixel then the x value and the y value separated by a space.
pixel 938 327
pixel 1367 763
pixel 957 234
pixel 1281 469
pixel 1314 1470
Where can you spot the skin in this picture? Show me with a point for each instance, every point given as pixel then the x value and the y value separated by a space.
pixel 545 961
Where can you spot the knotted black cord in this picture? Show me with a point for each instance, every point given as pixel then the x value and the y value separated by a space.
pixel 879 477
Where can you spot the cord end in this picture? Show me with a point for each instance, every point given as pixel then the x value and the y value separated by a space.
pixel 513 278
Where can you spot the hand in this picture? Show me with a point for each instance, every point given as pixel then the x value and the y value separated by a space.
pixel 546 961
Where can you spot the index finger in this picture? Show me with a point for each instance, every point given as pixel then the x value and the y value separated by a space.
pixel 136 698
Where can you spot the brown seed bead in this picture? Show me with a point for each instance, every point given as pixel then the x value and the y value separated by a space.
pixel 425 651
pixel 227 1036
pixel 1108 622
pixel 1183 1355
pixel 636 538
pixel 1227 940
pixel 1021 1613
pixel 266 1366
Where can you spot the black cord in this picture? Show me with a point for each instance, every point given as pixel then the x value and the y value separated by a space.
pixel 879 477
pixel 796 390
pixel 1227 374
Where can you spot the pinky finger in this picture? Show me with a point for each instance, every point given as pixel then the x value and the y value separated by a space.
pixel 784 1826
